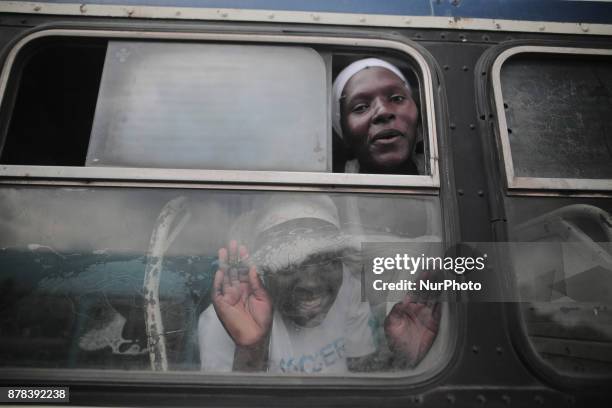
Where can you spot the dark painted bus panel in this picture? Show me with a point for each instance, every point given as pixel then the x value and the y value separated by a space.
pixel 75 243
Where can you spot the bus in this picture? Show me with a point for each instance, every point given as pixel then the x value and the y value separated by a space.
pixel 138 137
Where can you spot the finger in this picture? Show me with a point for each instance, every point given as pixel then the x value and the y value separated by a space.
pixel 243 253
pixel 397 312
pixel 395 316
pixel 410 306
pixel 222 254
pixel 410 299
pixel 396 309
pixel 437 313
pixel 431 318
pixel 233 252
pixel 223 265
pixel 245 264
pixel 233 262
pixel 256 286
pixel 218 283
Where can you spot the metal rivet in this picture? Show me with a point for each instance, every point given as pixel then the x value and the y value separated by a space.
pixel 446 67
pixel 452 126
pixel 506 398
pixel 475 349
pixel 465 68
pixel 450 398
pixel 460 192
pixel 472 126
pixel 499 350
pixel 481 398
pixel 480 193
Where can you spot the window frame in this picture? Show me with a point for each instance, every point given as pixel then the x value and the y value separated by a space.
pixel 291 180
pixel 398 185
pixel 514 182
pixel 500 168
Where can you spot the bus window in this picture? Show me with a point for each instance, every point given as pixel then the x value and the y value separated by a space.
pixel 202 106
pixel 564 278
pixel 555 135
pixel 553 119
pixel 132 271
pixel 80 267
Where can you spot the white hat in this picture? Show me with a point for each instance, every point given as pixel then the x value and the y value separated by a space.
pixel 346 74
pixel 291 229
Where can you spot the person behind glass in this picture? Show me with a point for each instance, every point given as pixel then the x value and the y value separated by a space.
pixel 374 112
pixel 308 318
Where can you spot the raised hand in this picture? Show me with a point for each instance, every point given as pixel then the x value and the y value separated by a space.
pixel 240 300
pixel 411 328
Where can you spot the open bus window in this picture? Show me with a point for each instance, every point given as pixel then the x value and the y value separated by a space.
pixel 54 102
pixel 556 111
pixel 81 295
pixel 93 102
pixel 170 105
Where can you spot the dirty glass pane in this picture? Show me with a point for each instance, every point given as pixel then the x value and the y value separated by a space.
pixel 212 106
pixel 558 114
pixel 571 329
pixel 112 278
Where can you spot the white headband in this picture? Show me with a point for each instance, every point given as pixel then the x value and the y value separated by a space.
pixel 346 74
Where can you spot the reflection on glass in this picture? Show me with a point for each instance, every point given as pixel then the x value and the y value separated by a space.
pixel 571 269
pixel 123 279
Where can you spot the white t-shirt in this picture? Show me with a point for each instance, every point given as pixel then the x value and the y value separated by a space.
pixel 345 332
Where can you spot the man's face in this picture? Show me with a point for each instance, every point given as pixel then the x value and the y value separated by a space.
pixel 305 293
pixel 379 119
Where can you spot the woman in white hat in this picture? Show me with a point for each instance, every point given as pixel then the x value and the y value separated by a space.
pixel 374 112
